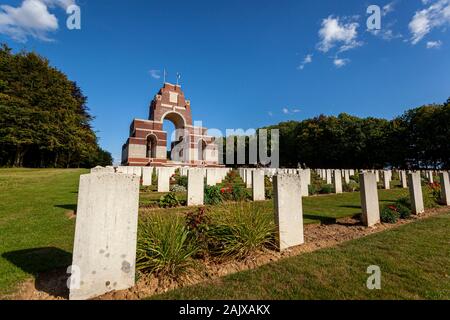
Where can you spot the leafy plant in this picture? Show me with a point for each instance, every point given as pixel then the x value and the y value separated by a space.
pixel 240 229
pixel 164 245
pixel 212 195
pixel 389 214
pixel 169 200
pixel 403 211
pixel 326 189
pixel 197 222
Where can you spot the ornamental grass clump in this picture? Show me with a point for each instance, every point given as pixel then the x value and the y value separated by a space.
pixel 239 229
pixel 165 246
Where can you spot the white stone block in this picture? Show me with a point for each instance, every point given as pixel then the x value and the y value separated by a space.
pixel 415 192
pixel 288 210
pixel 387 179
pixel 100 169
pixel 328 176
pixel 337 181
pixel 164 175
pixel 104 252
pixel 258 188
pixel 147 173
pixel 211 177
pixel 248 178
pixel 369 199
pixel 195 196
pixel 445 185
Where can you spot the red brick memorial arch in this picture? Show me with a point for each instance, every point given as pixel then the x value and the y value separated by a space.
pixel 147 144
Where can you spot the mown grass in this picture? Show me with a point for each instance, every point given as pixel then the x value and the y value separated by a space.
pixel 37 236
pixel 35 233
pixel 414 261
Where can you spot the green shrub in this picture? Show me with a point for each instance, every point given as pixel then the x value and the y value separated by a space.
pixel 355 178
pixel 269 193
pixel 352 186
pixel 403 211
pixel 164 245
pixel 212 195
pixel 170 200
pixel 432 195
pixel 239 229
pixel 182 181
pixel 267 182
pixel 389 214
pixel 239 193
pixel 404 201
pixel 326 189
pixel 197 222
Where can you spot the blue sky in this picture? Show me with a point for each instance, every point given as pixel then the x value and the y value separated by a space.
pixel 244 64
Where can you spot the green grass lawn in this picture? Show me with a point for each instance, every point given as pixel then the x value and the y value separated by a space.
pixel 414 261
pixel 35 234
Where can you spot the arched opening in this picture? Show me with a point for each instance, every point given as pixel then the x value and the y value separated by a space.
pixel 152 142
pixel 201 150
pixel 174 125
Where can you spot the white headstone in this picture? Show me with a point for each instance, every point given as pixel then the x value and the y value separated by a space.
pixel 195 188
pixel 104 252
pixel 415 192
pixel 147 176
pixel 445 188
pixel 369 199
pixel 164 179
pixel 258 188
pixel 337 181
pixel 288 210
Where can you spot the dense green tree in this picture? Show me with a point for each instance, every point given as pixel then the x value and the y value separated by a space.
pixel 44 119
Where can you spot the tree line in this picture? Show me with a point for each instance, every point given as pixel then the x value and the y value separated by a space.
pixel 44 118
pixel 418 139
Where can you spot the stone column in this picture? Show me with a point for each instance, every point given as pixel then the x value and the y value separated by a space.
pixel 104 251
pixel 248 178
pixel 387 179
pixel 163 179
pixel 403 179
pixel 337 181
pixel 258 188
pixel 369 199
pixel 195 196
pixel 147 176
pixel 288 210
pixel 328 176
pixel 347 176
pixel 305 178
pixel 415 192
pixel 445 185
pixel 210 177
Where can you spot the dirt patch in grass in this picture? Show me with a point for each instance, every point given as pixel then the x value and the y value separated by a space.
pixel 52 285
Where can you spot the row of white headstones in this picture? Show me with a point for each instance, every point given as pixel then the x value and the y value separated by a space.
pixel 107 214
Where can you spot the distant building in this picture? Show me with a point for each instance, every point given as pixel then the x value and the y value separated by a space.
pixel 147 144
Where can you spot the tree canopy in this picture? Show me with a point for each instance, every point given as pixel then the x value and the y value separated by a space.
pixel 44 118
pixel 420 138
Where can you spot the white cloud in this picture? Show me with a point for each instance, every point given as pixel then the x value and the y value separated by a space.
pixel 155 74
pixel 291 111
pixel 270 113
pixel 424 21
pixel 339 63
pixel 434 44
pixel 334 33
pixel 388 8
pixel 306 60
pixel 31 19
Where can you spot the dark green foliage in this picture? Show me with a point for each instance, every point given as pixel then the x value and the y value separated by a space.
pixel 44 118
pixel 212 195
pixel 326 189
pixel 389 214
pixel 404 211
pixel 170 200
pixel 164 245
pixel 417 139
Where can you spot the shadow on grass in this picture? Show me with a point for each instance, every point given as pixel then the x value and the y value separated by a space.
pixel 350 206
pixel 47 265
pixel 322 219
pixel 70 207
